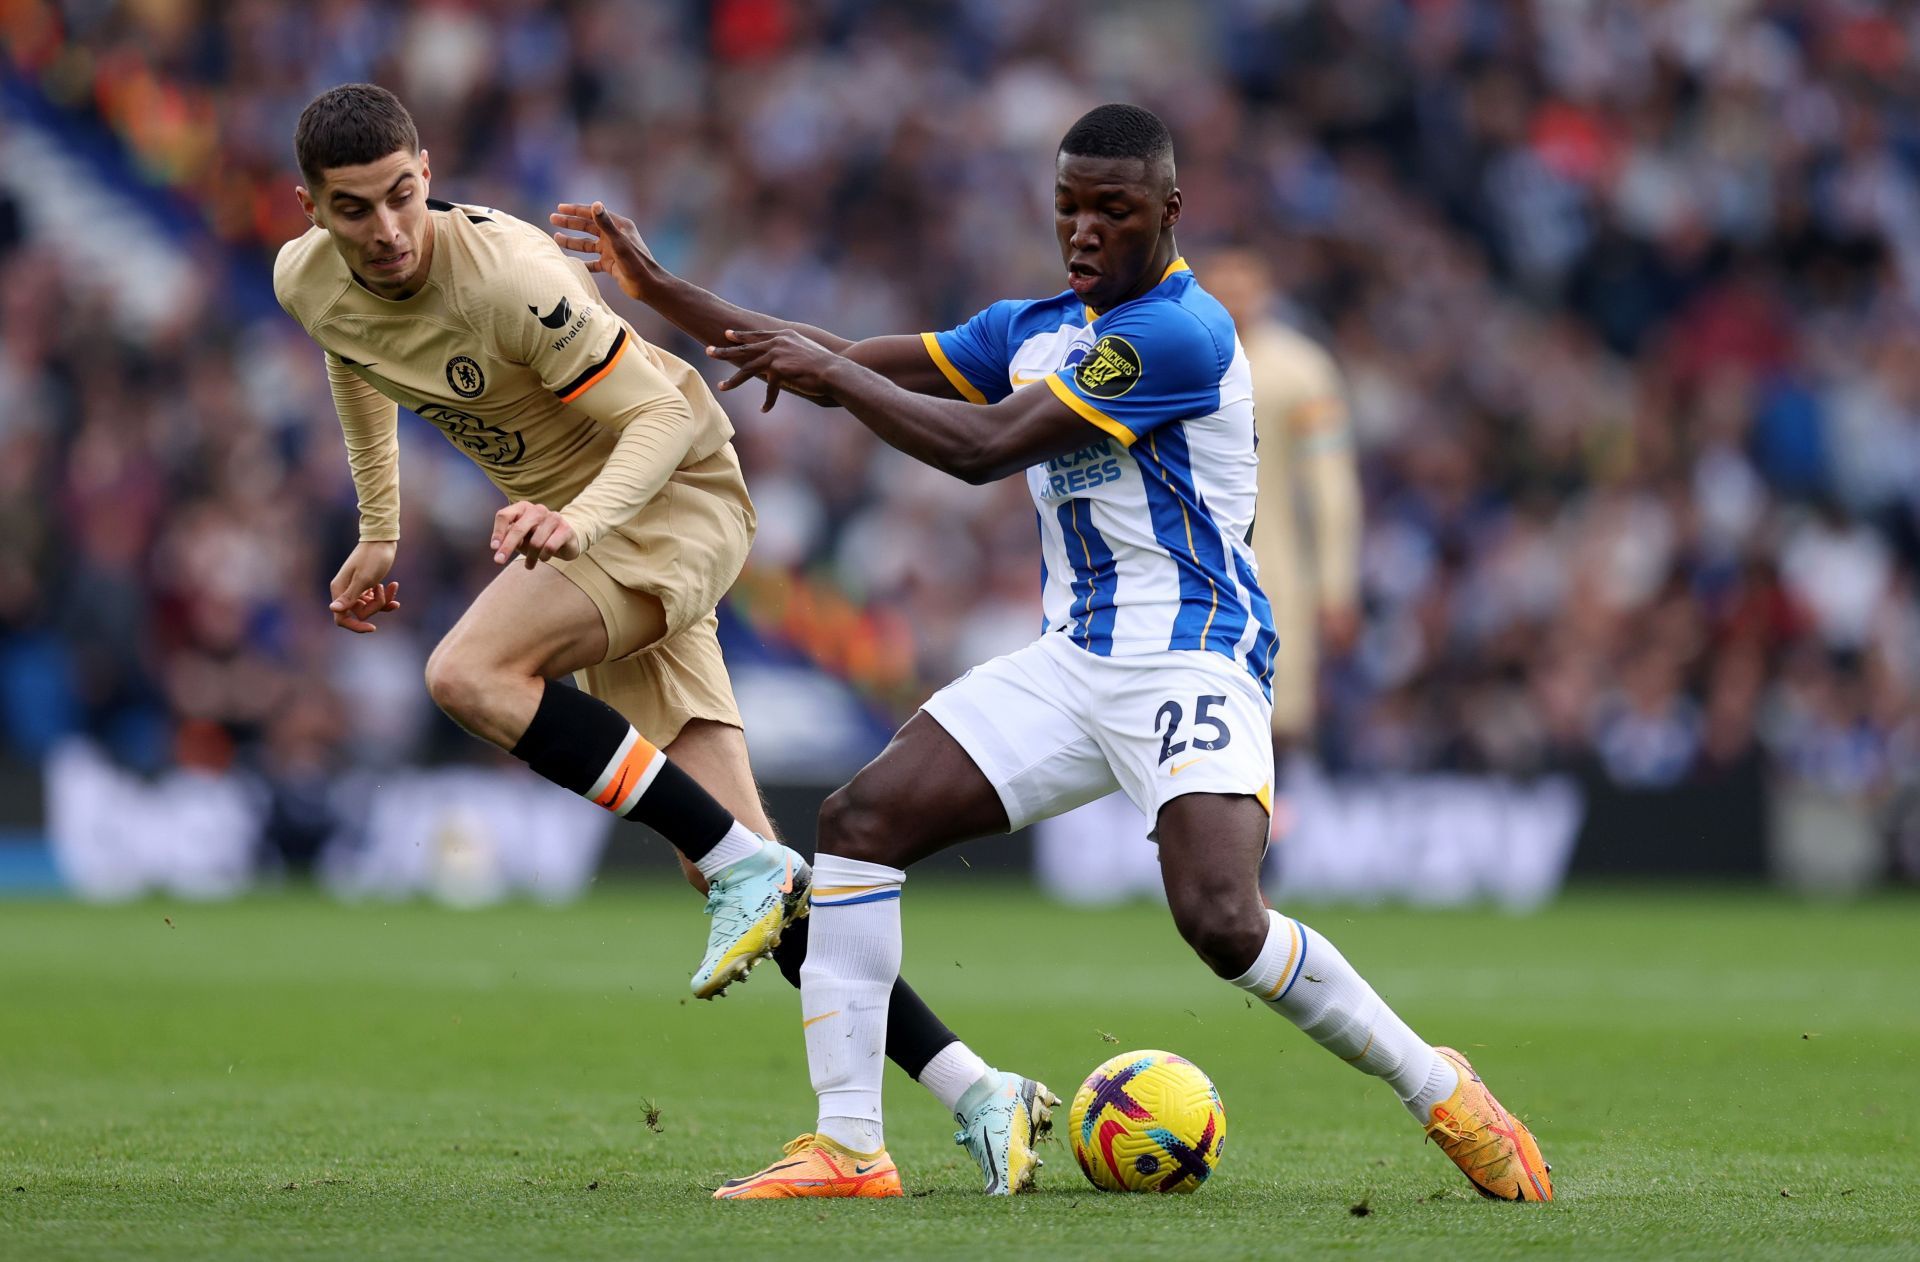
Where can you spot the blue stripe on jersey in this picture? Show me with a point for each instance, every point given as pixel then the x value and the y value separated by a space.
pixel 1211 615
pixel 1081 584
pixel 1106 585
pixel 1265 641
pixel 1041 526
pixel 1095 578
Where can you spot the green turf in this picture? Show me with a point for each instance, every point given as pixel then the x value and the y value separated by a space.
pixel 1710 1075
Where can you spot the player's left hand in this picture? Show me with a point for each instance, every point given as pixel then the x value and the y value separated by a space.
pixel 784 358
pixel 534 531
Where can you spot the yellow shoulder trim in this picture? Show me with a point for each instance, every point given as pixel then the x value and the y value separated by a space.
pixel 1265 797
pixel 968 391
pixel 1126 436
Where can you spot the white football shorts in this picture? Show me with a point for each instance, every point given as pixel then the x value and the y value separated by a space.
pixel 1054 726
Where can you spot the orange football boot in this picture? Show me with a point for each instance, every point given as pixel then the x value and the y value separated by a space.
pixel 817 1166
pixel 1492 1147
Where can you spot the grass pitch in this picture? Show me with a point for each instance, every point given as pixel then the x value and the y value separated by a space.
pixel 288 1078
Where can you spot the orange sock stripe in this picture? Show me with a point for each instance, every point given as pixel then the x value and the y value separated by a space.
pixel 631 768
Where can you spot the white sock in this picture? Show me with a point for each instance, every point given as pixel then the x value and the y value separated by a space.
pixel 740 843
pixel 853 955
pixel 1302 977
pixel 952 1070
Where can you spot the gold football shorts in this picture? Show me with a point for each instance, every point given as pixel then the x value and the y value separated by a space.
pixel 656 580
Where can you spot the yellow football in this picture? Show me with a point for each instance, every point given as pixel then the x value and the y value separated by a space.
pixel 1147 1122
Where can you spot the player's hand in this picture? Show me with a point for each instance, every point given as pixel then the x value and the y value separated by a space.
pixel 614 244
pixel 786 359
pixel 535 532
pixel 360 589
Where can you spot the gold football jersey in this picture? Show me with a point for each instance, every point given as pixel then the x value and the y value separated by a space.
pixel 508 349
pixel 1306 463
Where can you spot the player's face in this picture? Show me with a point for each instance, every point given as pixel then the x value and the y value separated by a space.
pixel 1114 218
pixel 377 216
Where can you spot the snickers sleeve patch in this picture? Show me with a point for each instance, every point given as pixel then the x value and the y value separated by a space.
pixel 1153 363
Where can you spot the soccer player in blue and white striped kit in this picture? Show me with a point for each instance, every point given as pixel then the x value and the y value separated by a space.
pixel 1128 402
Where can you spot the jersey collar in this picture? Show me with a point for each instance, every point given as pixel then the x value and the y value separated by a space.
pixel 1179 264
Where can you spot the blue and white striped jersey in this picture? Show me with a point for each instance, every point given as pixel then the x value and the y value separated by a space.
pixel 1143 530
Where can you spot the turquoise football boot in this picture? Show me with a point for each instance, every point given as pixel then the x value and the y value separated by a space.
pixel 1001 1118
pixel 751 904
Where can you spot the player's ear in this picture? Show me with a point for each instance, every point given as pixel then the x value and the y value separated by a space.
pixel 1171 214
pixel 426 174
pixel 305 199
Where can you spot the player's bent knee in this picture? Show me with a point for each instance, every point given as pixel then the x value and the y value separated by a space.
pixel 1226 935
pixel 855 825
pixel 455 685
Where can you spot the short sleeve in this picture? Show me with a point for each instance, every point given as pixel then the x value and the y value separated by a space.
pixel 974 357
pixel 1151 364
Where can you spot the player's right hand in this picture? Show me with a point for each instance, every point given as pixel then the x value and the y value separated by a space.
pixel 614 243
pixel 360 589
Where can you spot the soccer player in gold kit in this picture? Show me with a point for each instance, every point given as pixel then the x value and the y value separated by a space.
pixel 627 520
pixel 1309 561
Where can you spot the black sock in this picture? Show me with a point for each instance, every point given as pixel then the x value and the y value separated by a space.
pixel 914 1035
pixel 583 744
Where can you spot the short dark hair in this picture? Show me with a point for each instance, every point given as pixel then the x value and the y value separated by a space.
pixel 350 125
pixel 1119 131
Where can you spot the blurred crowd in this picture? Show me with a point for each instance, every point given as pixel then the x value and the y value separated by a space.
pixel 1627 297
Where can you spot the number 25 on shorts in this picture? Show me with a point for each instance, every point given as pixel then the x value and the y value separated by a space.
pixel 1203 719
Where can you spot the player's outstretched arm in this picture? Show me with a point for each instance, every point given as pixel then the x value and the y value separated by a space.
pixel 974 443
pixel 613 245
